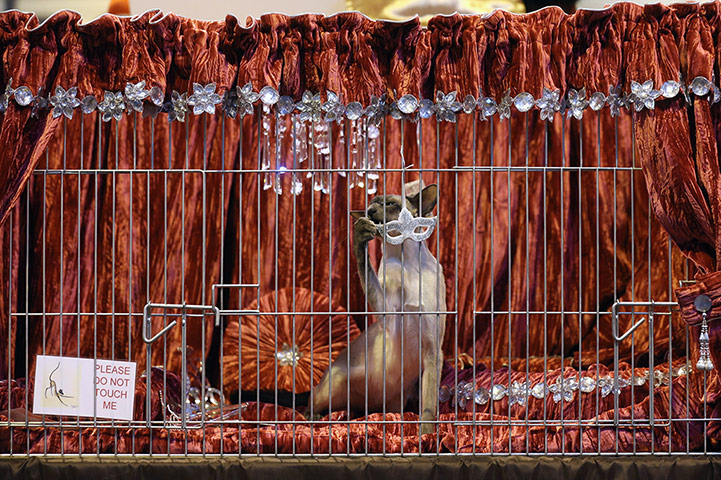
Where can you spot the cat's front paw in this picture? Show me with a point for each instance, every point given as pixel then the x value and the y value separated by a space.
pixel 364 230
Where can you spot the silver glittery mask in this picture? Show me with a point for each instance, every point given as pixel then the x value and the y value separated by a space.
pixel 407 224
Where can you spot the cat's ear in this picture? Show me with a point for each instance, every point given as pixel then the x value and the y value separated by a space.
pixel 356 214
pixel 425 201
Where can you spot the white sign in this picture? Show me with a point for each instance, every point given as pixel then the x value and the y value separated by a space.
pixel 84 387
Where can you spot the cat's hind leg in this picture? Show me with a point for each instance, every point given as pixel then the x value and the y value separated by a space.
pixel 331 393
pixel 430 380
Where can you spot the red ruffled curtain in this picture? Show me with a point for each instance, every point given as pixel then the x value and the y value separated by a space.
pixel 356 58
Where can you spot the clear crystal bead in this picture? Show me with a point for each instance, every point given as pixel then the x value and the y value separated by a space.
pixel 518 393
pixel 23 96
pixel 89 104
pixel 488 106
pixel 407 104
pixel 354 111
pixel 267 182
pixel 606 385
pixel 269 96
pixel 481 396
pixel 660 378
pixel 700 86
pixel 156 96
pixel 285 105
pixel 564 388
pixel 566 394
pixel 539 390
pixel 524 102
pixel 373 132
pixel 461 390
pixel 444 393
pixel 682 370
pixel 587 384
pixel 296 187
pixel 426 108
pixel 639 380
pixel 670 89
pixel 468 390
pixel 498 392
pixel 317 183
pixel 597 101
pixel 469 104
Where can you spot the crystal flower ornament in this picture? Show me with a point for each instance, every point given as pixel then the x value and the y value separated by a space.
pixel 64 101
pixel 204 99
pixel 135 93
pixel 112 106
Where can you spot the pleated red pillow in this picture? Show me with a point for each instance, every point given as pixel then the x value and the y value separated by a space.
pixel 258 356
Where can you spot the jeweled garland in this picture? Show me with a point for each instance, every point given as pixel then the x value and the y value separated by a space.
pixel 312 118
pixel 563 388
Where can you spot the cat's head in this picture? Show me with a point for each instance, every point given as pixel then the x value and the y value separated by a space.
pixel 419 204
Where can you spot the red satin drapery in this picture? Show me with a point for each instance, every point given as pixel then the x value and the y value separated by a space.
pixel 356 58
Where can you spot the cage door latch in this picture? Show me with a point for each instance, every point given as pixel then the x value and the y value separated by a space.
pixel 147 317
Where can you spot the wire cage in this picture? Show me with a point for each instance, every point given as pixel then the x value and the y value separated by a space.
pixel 218 252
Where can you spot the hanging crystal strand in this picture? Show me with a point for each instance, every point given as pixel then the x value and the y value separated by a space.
pixel 361 137
pixel 308 142
pixel 316 142
pixel 300 142
pixel 373 164
pixel 296 184
pixel 265 148
pixel 267 182
pixel 353 152
pixel 341 135
pixel 324 152
pixel 374 158
pixel 301 139
pixel 265 145
pixel 323 140
pixel 372 186
pixel 279 134
pixel 277 185
pixel 328 166
pixel 341 140
pixel 359 153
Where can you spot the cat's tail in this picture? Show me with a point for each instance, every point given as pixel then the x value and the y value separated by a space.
pixel 283 398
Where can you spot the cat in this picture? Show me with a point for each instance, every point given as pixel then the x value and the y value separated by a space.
pixel 409 278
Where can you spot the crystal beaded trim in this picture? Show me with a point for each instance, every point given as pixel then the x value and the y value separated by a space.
pixel 446 107
pixel 561 388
